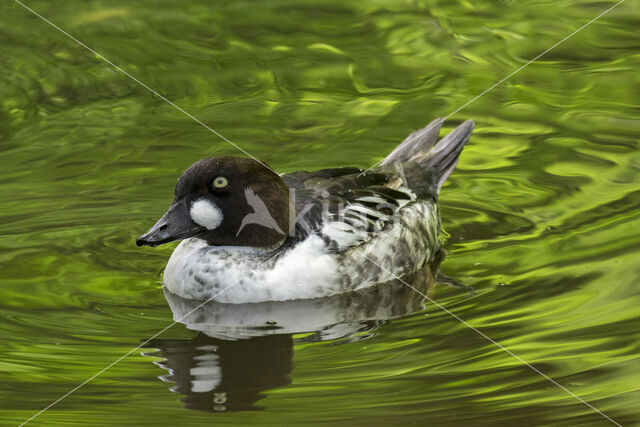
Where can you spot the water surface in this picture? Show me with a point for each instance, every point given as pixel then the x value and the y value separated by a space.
pixel 541 216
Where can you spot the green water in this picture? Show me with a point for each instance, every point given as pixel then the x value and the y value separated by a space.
pixel 541 215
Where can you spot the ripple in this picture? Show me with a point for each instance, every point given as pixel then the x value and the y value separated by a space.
pixel 541 213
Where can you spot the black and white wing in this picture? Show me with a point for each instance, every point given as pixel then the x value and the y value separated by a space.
pixel 344 206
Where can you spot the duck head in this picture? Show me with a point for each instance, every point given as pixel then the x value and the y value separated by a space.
pixel 227 201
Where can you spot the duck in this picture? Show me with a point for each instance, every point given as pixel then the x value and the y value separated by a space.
pixel 249 234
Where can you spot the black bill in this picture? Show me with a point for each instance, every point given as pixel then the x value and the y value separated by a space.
pixel 176 224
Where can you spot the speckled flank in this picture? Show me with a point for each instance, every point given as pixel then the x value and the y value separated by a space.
pixel 310 269
pixel 403 246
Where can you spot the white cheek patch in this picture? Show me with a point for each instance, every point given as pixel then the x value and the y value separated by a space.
pixel 206 214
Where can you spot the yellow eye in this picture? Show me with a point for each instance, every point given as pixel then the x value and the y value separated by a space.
pixel 220 182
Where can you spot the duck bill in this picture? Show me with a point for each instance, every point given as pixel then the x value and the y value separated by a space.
pixel 175 224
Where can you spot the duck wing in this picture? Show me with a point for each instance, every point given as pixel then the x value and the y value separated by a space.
pixel 348 206
pixel 345 206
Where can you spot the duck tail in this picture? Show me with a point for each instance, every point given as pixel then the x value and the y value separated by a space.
pixel 440 157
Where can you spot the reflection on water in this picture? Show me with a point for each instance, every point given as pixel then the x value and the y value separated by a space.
pixel 244 349
pixel 221 375
pixel 541 211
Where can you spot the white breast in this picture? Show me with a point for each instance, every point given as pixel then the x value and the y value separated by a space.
pixel 241 275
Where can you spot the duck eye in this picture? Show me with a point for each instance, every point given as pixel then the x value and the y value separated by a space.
pixel 220 182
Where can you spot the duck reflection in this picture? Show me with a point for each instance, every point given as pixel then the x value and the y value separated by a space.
pixel 242 350
pixel 218 375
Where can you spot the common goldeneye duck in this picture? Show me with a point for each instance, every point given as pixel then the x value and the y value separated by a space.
pixel 251 235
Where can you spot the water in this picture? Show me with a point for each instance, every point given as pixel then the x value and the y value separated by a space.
pixel 541 214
